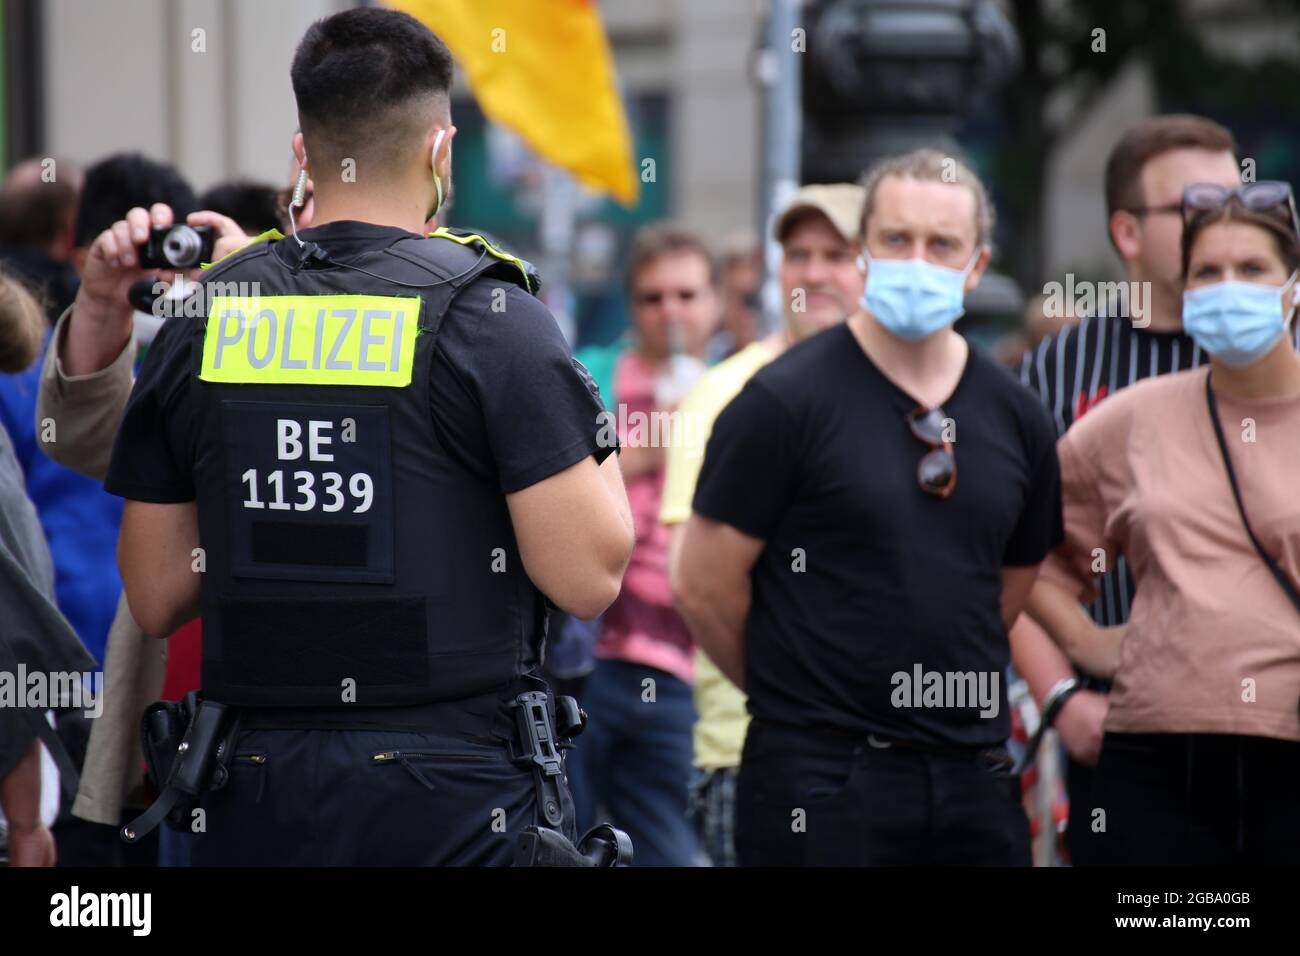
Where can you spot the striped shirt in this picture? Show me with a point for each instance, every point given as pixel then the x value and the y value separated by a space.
pixel 1075 370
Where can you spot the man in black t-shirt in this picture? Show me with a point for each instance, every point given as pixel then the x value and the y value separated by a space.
pixel 869 520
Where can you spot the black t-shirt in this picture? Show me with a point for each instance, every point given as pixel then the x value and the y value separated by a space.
pixel 864 575
pixel 510 404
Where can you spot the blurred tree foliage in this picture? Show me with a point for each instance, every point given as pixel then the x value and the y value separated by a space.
pixel 1064 73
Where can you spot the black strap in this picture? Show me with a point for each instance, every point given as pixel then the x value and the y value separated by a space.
pixel 1045 723
pixel 1282 579
pixel 154 815
pixel 69 778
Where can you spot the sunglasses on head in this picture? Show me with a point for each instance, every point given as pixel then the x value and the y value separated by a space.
pixel 1263 196
pixel 937 471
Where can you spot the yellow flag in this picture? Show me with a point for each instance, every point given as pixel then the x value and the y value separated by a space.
pixel 543 69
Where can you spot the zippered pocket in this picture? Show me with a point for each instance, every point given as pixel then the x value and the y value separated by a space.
pixel 388 756
pixel 254 760
pixel 407 760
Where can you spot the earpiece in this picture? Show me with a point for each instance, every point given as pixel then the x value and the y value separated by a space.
pixel 433 162
pixel 299 190
pixel 299 198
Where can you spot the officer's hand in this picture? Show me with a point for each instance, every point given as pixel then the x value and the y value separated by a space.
pixel 1079 725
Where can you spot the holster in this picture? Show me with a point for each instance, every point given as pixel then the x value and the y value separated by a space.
pixel 187 746
pixel 542 737
pixel 602 846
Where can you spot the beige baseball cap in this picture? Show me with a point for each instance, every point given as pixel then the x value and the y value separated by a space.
pixel 841 203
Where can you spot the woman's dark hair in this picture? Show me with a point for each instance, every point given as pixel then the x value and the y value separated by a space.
pixel 255 206
pixel 115 185
pixel 1276 222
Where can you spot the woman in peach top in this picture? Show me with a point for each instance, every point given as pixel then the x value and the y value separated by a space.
pixel 1200 761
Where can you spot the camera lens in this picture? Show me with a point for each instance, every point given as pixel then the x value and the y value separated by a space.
pixel 181 247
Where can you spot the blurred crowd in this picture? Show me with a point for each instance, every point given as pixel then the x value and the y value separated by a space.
pixel 1185 766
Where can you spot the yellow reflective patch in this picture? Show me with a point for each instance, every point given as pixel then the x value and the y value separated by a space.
pixel 271 235
pixel 442 232
pixel 311 340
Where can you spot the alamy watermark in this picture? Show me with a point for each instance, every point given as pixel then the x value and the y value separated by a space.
pixel 190 299
pixel 1079 299
pixel 128 910
pixel 45 690
pixel 955 690
pixel 654 429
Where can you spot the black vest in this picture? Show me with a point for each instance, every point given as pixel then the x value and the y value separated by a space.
pixel 346 558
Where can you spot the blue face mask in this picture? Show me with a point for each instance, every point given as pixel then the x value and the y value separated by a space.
pixel 1236 322
pixel 913 298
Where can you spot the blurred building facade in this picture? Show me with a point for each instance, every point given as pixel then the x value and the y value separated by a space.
pixel 204 84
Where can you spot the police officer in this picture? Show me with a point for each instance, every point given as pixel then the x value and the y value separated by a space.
pixel 367 461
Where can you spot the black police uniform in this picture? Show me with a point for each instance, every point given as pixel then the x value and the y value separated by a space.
pixel 349 415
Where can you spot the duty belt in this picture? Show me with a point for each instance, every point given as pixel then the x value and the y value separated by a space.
pixel 188 743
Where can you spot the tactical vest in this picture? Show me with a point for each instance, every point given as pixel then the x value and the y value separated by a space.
pixel 336 532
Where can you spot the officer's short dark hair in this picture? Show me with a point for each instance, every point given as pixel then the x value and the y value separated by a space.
pixel 124 180
pixel 255 206
pixel 363 79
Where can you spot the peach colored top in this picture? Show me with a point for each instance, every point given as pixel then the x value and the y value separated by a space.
pixel 1213 643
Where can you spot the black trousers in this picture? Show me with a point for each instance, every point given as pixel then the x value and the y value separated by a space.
pixel 355 792
pixel 821 799
pixel 1195 799
pixel 1079 836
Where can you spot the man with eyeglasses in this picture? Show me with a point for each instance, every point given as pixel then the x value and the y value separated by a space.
pixel 1146 175
pixel 635 754
pixel 869 520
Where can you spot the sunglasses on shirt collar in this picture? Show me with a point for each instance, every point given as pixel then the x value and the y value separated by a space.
pixel 937 471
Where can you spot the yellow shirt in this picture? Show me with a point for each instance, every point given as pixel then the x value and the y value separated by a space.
pixel 720 727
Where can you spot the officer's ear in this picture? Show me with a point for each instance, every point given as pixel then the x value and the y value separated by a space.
pixel 299 147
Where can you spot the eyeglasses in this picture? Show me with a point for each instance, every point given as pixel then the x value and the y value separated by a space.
pixel 1174 207
pixel 657 297
pixel 937 472
pixel 1263 196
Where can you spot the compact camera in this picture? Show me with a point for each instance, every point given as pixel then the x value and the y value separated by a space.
pixel 177 247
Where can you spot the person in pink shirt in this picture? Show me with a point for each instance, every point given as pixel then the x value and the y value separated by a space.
pixel 634 759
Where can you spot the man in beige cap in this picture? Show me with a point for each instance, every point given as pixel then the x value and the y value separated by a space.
pixel 821 284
